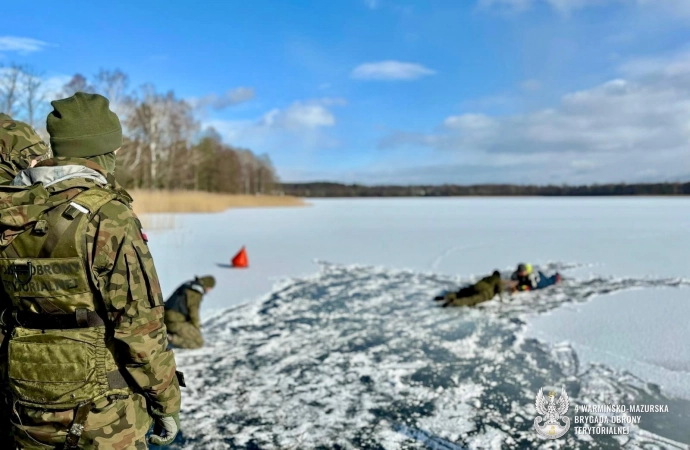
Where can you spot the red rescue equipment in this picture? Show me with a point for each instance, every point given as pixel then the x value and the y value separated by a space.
pixel 240 259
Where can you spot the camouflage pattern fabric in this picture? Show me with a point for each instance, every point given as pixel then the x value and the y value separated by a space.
pixel 112 424
pixel 122 268
pixel 19 144
pixel 184 335
pixel 484 290
pixel 184 331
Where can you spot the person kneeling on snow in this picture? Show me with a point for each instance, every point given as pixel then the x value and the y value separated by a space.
pixel 527 279
pixel 482 291
pixel 182 312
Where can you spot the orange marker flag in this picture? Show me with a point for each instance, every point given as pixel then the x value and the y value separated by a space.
pixel 240 259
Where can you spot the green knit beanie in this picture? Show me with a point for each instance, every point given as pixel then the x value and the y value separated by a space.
pixel 207 281
pixel 82 126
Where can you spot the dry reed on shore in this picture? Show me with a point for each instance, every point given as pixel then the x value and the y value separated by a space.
pixel 146 201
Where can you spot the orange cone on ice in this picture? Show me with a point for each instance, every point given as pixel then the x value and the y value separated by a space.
pixel 240 261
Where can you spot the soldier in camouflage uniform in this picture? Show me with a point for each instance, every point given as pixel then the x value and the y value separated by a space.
pixel 87 362
pixel 482 291
pixel 182 312
pixel 19 146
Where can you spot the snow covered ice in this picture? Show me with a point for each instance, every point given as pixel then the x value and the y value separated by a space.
pixel 351 352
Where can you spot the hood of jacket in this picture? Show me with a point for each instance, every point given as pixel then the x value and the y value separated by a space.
pixel 55 174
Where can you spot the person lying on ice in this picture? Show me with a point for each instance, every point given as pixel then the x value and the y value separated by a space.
pixel 482 291
pixel 527 279
pixel 182 312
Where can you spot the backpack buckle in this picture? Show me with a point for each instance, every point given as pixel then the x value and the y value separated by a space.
pixel 73 209
pixel 23 270
pixel 41 227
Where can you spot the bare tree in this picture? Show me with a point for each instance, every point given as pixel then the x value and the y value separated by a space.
pixel 161 125
pixel 113 84
pixel 267 178
pixel 34 98
pixel 157 151
pixel 246 159
pixel 10 78
pixel 78 83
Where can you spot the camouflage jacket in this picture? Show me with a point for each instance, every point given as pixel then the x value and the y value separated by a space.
pixel 184 304
pixel 19 144
pixel 124 275
pixel 490 284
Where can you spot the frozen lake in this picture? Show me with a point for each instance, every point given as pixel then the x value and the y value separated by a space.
pixel 632 237
pixel 384 259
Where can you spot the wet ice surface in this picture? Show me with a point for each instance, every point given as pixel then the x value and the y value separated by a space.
pixel 623 330
pixel 360 357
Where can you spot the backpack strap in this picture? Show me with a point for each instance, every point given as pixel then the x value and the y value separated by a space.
pixel 197 287
pixel 81 413
pixel 87 202
pixel 52 321
pixel 93 199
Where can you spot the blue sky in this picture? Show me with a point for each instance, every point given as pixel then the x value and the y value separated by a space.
pixel 388 91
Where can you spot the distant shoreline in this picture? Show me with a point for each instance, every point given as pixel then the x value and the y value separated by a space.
pixel 365 197
pixel 155 201
pixel 150 201
pixel 338 190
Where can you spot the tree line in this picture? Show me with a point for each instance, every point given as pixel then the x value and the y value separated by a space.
pixel 164 145
pixel 325 189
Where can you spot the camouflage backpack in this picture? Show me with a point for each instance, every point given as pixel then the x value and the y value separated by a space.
pixel 59 353
pixel 19 144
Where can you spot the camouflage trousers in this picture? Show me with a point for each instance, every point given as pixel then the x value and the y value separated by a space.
pixel 112 424
pixel 467 298
pixel 184 335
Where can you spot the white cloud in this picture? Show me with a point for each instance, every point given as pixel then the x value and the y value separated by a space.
pixel 21 44
pixel 52 86
pixel 298 116
pixel 299 125
pixel 584 164
pixel 530 85
pixel 668 66
pixel 231 97
pixel 675 6
pixel 563 6
pixel 626 126
pixel 516 5
pixel 329 101
pixel 390 70
pixel 568 6
pixel 232 131
pixel 470 122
